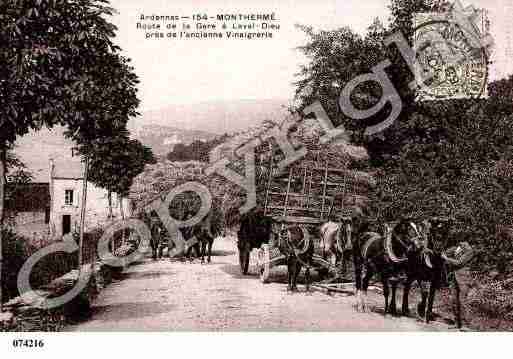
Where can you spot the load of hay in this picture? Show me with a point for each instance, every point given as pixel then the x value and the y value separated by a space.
pixel 155 183
pixel 320 181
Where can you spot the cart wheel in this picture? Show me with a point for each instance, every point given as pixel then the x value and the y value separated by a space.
pixel 244 260
pixel 264 265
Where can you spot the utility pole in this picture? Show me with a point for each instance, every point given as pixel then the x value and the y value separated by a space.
pixel 82 215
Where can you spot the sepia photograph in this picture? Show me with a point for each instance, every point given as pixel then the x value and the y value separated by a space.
pixel 273 166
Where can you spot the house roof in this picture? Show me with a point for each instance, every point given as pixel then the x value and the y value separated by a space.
pixel 68 168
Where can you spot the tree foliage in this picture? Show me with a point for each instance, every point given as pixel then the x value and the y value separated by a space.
pixel 47 49
pixel 117 161
pixel 195 151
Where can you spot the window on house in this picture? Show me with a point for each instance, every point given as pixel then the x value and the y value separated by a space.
pixel 68 197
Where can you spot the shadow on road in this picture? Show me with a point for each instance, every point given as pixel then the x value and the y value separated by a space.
pixel 144 275
pixel 121 311
pixel 278 274
pixel 222 253
pixel 234 271
pixel 138 263
pixel 182 258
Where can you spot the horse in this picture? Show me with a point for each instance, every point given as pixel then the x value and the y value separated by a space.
pixel 336 240
pixel 430 264
pixel 433 268
pixel 339 240
pixel 295 244
pixel 156 236
pixel 386 255
pixel 188 233
pixel 343 239
pixel 205 232
pixel 417 253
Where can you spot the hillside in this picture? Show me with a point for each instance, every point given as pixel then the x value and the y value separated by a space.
pixel 213 117
pixel 162 139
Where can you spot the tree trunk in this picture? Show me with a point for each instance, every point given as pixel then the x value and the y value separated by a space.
pixel 122 213
pixel 109 196
pixel 3 170
pixel 82 215
pixel 111 219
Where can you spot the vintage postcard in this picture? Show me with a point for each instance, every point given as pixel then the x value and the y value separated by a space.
pixel 242 166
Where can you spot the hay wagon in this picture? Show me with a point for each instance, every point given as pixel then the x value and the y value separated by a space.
pixel 308 194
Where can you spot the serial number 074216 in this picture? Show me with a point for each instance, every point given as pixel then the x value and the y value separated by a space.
pixel 28 343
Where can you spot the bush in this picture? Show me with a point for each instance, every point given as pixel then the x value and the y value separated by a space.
pixel 14 255
pixel 57 264
pixel 493 299
pixel 17 249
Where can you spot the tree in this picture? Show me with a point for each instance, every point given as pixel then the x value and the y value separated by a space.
pixel 137 156
pixel 196 151
pixel 117 161
pixel 46 50
pixel 335 58
pixel 16 175
pixel 102 115
pixel 16 171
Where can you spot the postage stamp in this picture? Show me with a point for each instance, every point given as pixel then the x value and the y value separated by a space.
pixel 444 48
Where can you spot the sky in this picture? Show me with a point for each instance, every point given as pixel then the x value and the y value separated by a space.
pixel 205 70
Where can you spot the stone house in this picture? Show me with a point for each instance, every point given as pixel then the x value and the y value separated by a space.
pixel 66 186
pixel 51 203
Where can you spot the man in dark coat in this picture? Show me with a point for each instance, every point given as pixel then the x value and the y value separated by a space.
pixel 255 229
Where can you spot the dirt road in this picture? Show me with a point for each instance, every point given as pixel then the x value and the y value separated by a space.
pixel 169 296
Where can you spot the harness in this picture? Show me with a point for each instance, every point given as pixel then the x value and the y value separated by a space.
pixel 155 232
pixel 348 245
pixel 295 252
pixel 373 237
pixel 426 252
pixel 389 235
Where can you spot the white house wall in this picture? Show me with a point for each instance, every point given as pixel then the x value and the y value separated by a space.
pixel 96 206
